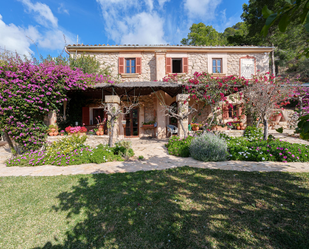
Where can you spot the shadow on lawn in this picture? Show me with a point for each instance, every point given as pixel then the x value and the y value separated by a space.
pixel 188 208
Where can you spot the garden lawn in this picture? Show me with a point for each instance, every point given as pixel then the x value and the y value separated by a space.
pixel 175 208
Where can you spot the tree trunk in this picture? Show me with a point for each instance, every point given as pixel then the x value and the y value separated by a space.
pixel 183 128
pixel 249 119
pixel 111 135
pixel 265 121
pixel 273 61
pixel 10 143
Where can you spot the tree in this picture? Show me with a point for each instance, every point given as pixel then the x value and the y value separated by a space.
pixel 89 64
pixel 290 12
pixel 113 111
pixel 200 34
pixel 264 94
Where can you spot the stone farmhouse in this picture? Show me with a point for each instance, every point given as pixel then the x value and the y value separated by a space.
pixel 142 68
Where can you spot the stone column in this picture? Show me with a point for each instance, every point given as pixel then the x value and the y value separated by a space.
pixel 160 65
pixel 183 108
pixel 113 102
pixel 161 118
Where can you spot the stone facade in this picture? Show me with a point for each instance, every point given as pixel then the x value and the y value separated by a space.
pixel 197 62
pixel 261 59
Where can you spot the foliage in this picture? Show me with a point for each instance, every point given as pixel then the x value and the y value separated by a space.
pixel 208 147
pixel 89 64
pixel 29 92
pixel 71 150
pixel 179 146
pixel 124 149
pixel 209 90
pixel 253 133
pixel 141 158
pixel 303 127
pixel 241 148
pixel 279 130
pixel 200 34
pixel 66 145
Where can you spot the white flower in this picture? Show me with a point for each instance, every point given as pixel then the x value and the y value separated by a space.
pixel 263 158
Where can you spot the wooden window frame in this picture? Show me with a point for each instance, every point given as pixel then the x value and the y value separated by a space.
pixel 130 66
pixel 212 65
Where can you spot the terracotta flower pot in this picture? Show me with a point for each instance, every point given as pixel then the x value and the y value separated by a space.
pixel 101 133
pixel 241 124
pixel 238 127
pixel 242 127
pixel 61 134
pixel 50 133
pixel 98 133
pixel 52 130
pixel 277 117
pixel 101 128
pixel 195 128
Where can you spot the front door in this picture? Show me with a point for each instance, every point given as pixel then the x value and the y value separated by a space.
pixel 131 129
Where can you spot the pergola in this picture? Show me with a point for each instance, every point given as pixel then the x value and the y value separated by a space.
pixel 100 90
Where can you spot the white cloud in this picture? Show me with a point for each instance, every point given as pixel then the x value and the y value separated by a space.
pixel 126 22
pixel 55 39
pixel 203 9
pixel 15 39
pixel 144 28
pixel 44 15
pixel 162 2
pixel 62 9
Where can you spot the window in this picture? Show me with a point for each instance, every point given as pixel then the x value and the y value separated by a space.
pixel 130 66
pixel 217 65
pixel 176 65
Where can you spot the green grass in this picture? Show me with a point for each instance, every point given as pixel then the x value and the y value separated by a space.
pixel 175 208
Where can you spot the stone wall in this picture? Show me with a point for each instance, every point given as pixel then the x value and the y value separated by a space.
pixel 148 103
pixel 197 62
pixel 262 62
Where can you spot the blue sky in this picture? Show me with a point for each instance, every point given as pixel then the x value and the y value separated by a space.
pixel 45 23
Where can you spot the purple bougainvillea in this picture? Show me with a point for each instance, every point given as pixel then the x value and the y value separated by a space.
pixel 28 92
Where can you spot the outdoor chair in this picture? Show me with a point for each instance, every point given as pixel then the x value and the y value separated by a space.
pixel 172 129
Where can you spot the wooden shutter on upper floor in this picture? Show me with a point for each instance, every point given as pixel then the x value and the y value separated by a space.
pixel 185 65
pixel 168 65
pixel 85 115
pixel 121 65
pixel 225 111
pixel 138 65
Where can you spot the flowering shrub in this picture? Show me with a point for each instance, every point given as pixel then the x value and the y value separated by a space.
pixel 243 149
pixel 208 147
pixel 179 146
pixel 253 133
pixel 70 151
pixel 29 92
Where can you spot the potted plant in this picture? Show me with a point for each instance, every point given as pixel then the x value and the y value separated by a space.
pixel 195 126
pixel 149 124
pixel 91 132
pixel 83 130
pixel 61 132
pixel 53 130
pixel 97 132
pixel 100 124
pixel 238 126
pixel 277 116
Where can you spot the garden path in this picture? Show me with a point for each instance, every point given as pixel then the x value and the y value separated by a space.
pixel 156 158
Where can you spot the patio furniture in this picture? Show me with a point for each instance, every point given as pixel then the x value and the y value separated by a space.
pixel 172 129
